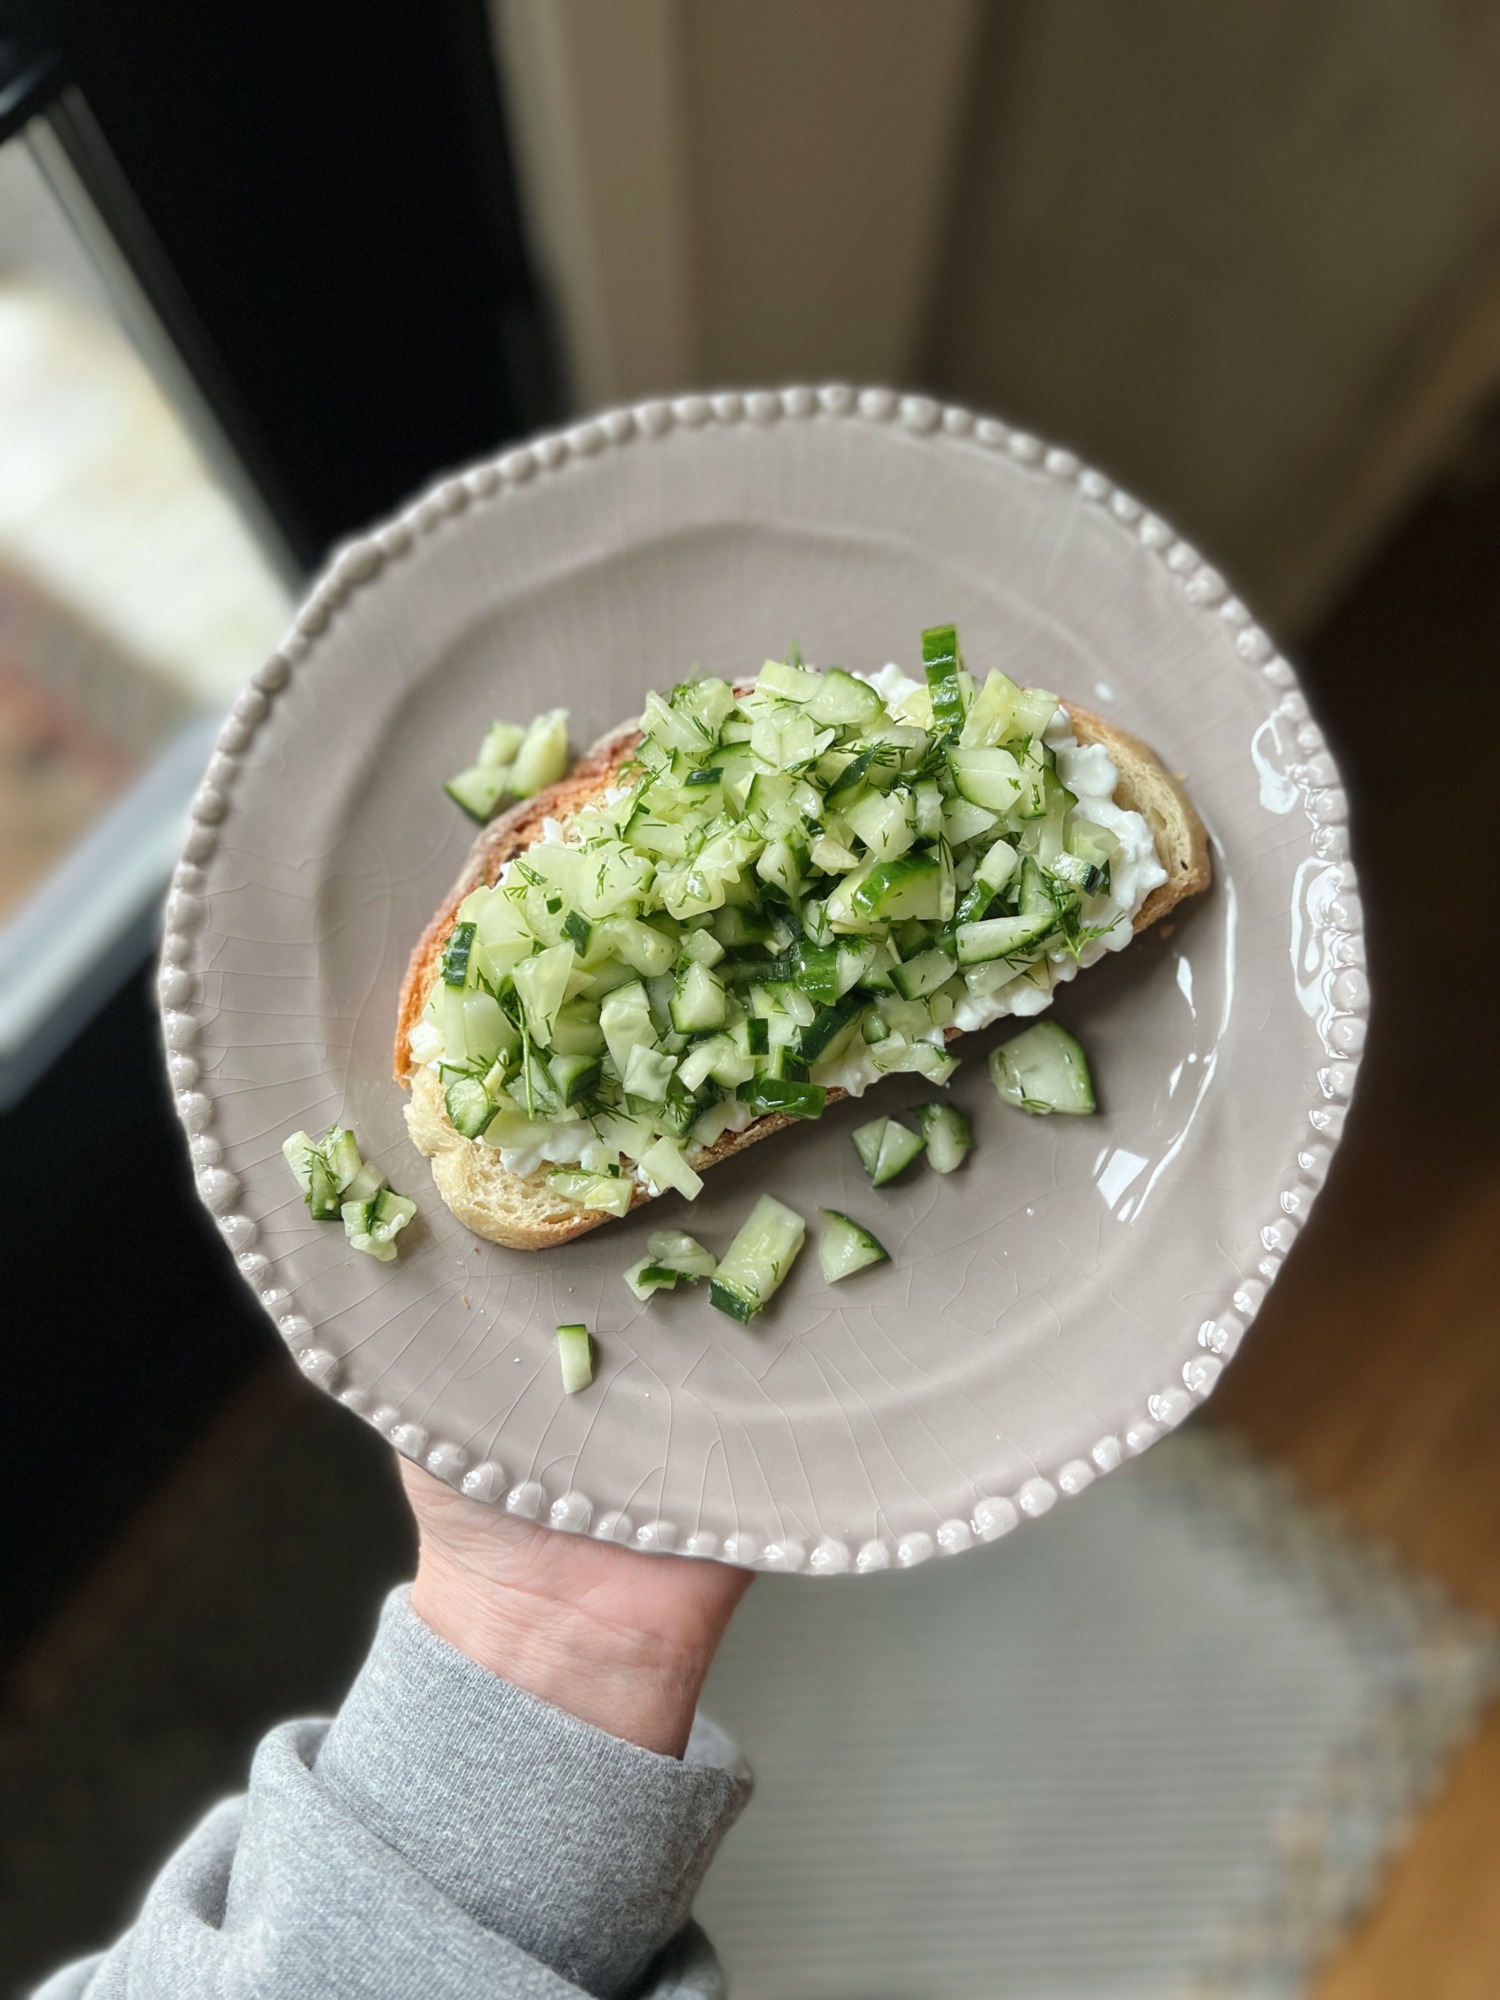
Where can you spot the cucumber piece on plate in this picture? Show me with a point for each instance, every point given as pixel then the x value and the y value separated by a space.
pixel 340 1149
pixel 501 742
pixel 324 1195
pixel 367 1182
pixel 479 789
pixel 946 1132
pixel 575 1354
pixel 298 1153
pixel 677 1251
pixel 758 1259
pixel 648 1277
pixel 543 755
pixel 1043 1069
pixel 846 1246
pixel 675 1258
pixel 373 1226
pixel 470 1106
pixel 886 1148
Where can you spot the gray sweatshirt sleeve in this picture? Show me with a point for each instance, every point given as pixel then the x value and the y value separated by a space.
pixel 446 1835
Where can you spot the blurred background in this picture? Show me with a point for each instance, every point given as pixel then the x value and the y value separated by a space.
pixel 263 271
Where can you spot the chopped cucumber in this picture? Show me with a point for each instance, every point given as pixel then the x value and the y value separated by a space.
pixel 336 1182
pixel 298 1152
pixel 341 1153
pixel 891 891
pixel 779 883
pixel 924 974
pixel 946 1131
pixel 827 1025
pixel 648 1073
pixel 543 754
pixel 456 955
pixel 699 1002
pixel 846 1246
pixel 373 1226
pixel 575 1354
pixel 784 1094
pixel 675 1258
pixel 368 1181
pixel 612 1193
pixel 988 778
pixel 758 1260
pixel 997 865
pixel 883 821
pixel 501 742
pixel 486 1029
pixel 942 662
pixel 677 1251
pixel 1043 1069
pixel 1002 937
pixel 886 1148
pixel 664 1166
pixel 703 947
pixel 541 981
pixel 625 1018
pixel 648 1277
pixel 470 1106
pixel 574 1076
pixel 479 790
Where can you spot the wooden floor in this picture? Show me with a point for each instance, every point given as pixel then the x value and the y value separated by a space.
pixel 1374 1372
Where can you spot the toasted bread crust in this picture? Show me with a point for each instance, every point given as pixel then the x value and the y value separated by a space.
pixel 521 1211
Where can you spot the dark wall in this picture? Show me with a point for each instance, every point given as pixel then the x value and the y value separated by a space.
pixel 331 185
pixel 125 1321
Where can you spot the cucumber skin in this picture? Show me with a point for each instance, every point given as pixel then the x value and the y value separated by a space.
pixel 479 791
pixel 910 1147
pixel 840 1234
pixel 728 1300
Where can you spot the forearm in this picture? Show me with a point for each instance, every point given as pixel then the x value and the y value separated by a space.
pixel 449 1834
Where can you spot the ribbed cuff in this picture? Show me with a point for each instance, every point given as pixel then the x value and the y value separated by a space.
pixel 583 1850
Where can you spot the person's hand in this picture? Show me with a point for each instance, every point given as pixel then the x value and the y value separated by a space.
pixel 620 1639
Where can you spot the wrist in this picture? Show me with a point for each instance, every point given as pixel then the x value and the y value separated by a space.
pixel 618 1639
pixel 639 1685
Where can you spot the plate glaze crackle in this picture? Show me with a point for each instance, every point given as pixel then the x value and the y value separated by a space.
pixel 1049 1309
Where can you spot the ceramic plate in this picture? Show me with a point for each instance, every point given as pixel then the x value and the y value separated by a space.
pixel 1049 1309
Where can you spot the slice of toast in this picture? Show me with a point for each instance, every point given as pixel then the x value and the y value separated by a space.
pixel 520 1210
